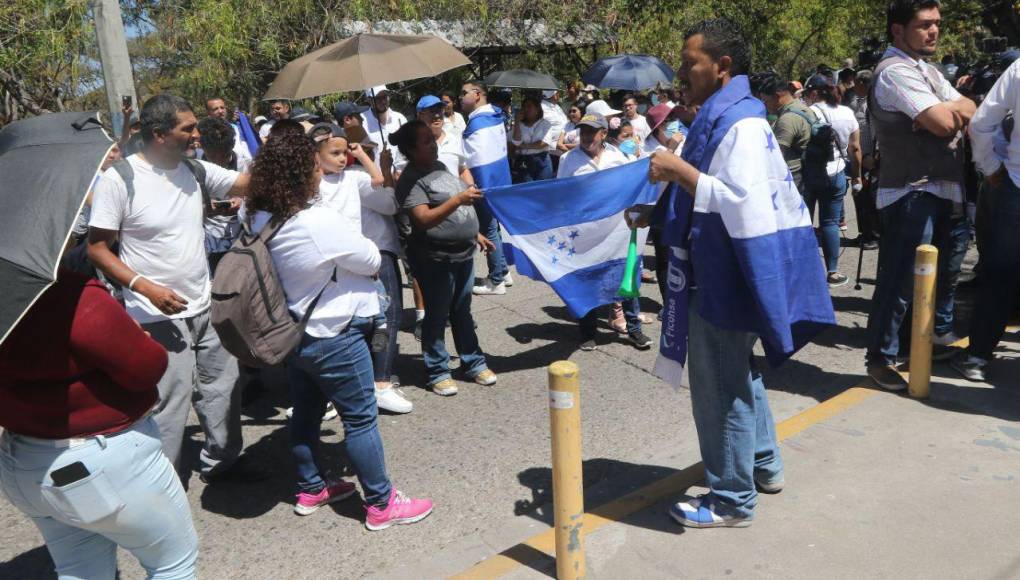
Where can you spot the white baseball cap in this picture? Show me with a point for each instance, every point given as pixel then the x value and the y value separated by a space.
pixel 376 90
pixel 601 107
pixel 549 94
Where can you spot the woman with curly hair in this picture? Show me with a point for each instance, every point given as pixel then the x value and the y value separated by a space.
pixel 315 245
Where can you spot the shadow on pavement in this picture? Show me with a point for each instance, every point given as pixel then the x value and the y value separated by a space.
pixel 603 479
pixel 34 564
pixel 251 500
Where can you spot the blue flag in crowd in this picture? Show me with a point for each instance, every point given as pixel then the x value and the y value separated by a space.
pixel 248 134
pixel 748 235
pixel 571 234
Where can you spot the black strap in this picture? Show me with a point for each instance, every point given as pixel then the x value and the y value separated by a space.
pixel 198 170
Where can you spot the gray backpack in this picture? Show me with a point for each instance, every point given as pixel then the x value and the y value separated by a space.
pixel 249 308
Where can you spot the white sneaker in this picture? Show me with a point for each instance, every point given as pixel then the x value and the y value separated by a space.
pixel 392 400
pixel 487 288
pixel 508 280
pixel 946 339
pixel 329 415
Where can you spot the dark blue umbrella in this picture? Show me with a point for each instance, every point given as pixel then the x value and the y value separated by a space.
pixel 631 72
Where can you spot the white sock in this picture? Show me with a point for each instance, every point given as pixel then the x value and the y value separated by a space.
pixel 419 315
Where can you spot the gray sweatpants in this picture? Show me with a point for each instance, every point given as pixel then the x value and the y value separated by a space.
pixel 200 373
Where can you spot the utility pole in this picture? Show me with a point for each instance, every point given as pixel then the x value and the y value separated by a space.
pixel 113 52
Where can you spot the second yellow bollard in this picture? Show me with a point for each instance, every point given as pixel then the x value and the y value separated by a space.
pixel 923 329
pixel 567 480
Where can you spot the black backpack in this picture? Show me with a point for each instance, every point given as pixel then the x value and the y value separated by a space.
pixel 819 152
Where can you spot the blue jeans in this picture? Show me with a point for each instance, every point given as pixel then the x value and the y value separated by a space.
pixel 631 313
pixel 132 499
pixel 536 167
pixel 337 369
pixel 916 218
pixel 950 264
pixel 389 275
pixel 736 432
pixel 1000 270
pixel 446 288
pixel 830 211
pixel 489 227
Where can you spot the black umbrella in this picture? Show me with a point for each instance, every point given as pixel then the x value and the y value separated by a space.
pixel 521 79
pixel 47 163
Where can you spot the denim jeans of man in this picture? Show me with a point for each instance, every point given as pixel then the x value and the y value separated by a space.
pixel 916 218
pixel 446 288
pixel 489 227
pixel 1000 271
pixel 736 432
pixel 131 498
pixel 950 264
pixel 534 167
pixel 830 210
pixel 337 369
pixel 201 373
pixel 631 314
pixel 389 275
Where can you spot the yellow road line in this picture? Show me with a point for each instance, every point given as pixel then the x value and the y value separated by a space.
pixel 613 511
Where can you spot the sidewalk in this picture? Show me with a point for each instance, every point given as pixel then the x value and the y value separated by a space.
pixel 878 486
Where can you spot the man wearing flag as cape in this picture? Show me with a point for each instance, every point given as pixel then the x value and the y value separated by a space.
pixel 744 265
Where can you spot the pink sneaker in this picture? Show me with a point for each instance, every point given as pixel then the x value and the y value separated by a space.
pixel 400 510
pixel 307 503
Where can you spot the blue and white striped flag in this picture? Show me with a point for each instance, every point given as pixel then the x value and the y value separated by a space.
pixel 570 232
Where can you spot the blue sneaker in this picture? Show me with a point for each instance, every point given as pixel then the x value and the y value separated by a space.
pixel 700 513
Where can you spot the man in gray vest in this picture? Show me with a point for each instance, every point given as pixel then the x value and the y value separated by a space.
pixel 918 118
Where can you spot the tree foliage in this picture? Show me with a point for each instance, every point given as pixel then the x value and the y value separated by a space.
pixel 196 48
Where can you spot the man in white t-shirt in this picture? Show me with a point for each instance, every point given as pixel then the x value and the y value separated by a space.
pixel 161 266
pixel 279 109
pixel 637 120
pixel 380 121
pixel 430 111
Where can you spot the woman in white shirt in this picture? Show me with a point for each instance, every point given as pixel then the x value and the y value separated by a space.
pixel 569 137
pixel 532 139
pixel 316 248
pixel 829 191
pixel 453 122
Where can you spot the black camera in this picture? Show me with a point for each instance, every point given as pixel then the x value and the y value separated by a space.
pixel 994 45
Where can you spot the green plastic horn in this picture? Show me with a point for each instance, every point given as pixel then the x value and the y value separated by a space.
pixel 629 286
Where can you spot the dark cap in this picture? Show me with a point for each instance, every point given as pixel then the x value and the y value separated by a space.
pixel 818 82
pixel 325 131
pixel 593 120
pixel 298 114
pixel 347 109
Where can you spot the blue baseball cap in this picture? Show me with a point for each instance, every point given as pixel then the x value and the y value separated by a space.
pixel 427 102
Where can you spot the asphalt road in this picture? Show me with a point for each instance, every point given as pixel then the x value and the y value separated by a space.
pixel 482 455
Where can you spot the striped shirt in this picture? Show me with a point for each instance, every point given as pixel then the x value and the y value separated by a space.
pixel 903 88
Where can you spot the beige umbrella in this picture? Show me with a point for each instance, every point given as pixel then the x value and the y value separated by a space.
pixel 363 61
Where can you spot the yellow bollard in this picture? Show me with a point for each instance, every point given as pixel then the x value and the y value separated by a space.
pixel 925 271
pixel 568 485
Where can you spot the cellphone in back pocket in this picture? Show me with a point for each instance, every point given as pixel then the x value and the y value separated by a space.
pixel 69 474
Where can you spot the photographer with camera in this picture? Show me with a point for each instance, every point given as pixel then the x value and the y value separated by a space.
pixel 918 118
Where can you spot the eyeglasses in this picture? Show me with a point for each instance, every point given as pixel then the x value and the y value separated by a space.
pixel 464 93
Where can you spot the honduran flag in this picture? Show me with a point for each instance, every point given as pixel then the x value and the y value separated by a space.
pixel 571 233
pixel 486 153
pixel 247 134
pixel 745 236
